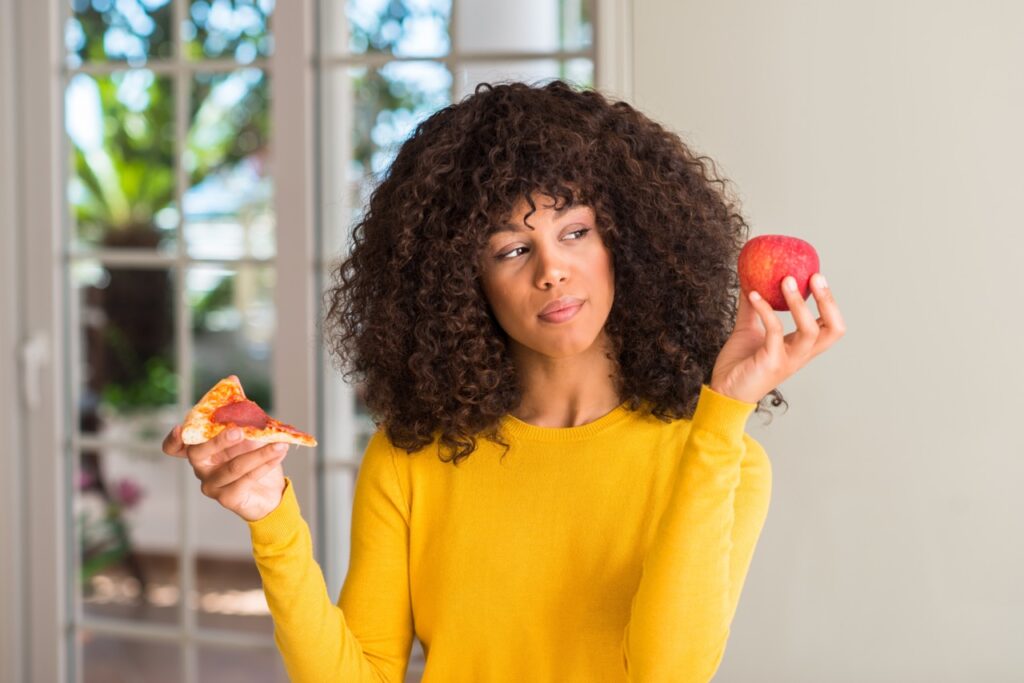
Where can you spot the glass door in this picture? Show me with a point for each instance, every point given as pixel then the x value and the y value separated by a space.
pixel 186 258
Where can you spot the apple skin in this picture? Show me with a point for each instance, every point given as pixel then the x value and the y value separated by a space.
pixel 765 260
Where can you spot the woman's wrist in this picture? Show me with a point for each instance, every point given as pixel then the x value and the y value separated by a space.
pixel 263 511
pixel 725 391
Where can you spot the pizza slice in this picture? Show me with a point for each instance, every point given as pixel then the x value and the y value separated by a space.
pixel 224 406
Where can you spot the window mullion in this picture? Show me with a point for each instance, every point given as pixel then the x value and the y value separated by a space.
pixel 452 60
pixel 171 67
pixel 186 558
pixel 613 43
pixel 291 151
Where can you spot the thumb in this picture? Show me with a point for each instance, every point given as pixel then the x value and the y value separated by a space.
pixel 173 444
pixel 747 315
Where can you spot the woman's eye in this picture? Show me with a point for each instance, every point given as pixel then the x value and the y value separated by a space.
pixel 503 257
pixel 507 255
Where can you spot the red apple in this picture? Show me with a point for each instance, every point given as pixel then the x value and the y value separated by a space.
pixel 766 259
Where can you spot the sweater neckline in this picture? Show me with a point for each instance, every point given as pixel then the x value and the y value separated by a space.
pixel 525 431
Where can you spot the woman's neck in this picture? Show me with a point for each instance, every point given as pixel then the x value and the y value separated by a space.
pixel 566 392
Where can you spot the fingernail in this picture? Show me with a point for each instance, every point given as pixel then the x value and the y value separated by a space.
pixel 821 281
pixel 754 296
pixel 790 283
pixel 280 447
pixel 234 435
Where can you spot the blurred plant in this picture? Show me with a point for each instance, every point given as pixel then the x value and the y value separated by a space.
pixel 122 129
pixel 122 190
pixel 221 296
pixel 228 28
pixel 158 386
pixel 127 493
pixel 101 30
pixel 99 516
pixel 135 30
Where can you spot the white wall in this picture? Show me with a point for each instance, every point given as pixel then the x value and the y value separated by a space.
pixel 889 135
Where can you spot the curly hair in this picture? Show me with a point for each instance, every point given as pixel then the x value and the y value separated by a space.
pixel 406 312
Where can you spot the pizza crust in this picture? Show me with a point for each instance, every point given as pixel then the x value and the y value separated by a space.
pixel 199 427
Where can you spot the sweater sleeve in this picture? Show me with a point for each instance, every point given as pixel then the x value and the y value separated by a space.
pixel 368 634
pixel 695 568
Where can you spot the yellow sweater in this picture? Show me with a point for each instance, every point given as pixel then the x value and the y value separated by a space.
pixel 611 551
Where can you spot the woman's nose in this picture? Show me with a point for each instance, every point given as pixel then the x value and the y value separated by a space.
pixel 552 267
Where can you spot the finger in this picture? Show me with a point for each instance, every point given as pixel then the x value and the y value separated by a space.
pixel 242 466
pixel 203 456
pixel 746 314
pixel 173 444
pixel 772 325
pixel 234 495
pixel 802 340
pixel 243 446
pixel 831 321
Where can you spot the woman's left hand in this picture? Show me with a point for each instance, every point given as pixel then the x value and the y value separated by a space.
pixel 754 361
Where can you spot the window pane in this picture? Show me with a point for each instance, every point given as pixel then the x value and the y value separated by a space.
pixel 579 72
pixel 380 108
pixel 228 585
pixel 232 315
pixel 228 212
pixel 236 29
pixel 469 75
pixel 405 28
pixel 105 30
pixel 109 659
pixel 392 101
pixel 121 147
pixel 523 26
pixel 232 327
pixel 337 490
pixel 127 350
pixel 231 665
pixel 127 515
pixel 348 431
pixel 383 107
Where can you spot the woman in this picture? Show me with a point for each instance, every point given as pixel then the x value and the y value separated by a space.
pixel 603 527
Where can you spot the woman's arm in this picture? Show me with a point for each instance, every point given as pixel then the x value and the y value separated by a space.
pixel 694 571
pixel 367 636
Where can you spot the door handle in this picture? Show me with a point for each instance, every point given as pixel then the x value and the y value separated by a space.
pixel 35 355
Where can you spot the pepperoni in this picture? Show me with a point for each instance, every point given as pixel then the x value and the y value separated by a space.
pixel 242 413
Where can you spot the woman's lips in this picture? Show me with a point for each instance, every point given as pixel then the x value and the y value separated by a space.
pixel 562 315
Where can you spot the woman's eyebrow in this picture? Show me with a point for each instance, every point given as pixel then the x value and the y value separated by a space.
pixel 509 227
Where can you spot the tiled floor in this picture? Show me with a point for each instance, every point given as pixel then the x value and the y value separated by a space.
pixel 229 596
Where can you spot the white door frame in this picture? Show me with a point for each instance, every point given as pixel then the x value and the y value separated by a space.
pixel 613 32
pixel 12 605
pixel 43 449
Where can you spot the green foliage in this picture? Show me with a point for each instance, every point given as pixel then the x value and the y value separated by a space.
pixel 125 181
pixel 226 130
pixel 105 540
pixel 220 297
pixel 130 176
pixel 156 386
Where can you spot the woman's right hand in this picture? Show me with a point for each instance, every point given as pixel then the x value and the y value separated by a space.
pixel 244 476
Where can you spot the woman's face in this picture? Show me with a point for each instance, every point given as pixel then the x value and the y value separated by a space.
pixel 525 269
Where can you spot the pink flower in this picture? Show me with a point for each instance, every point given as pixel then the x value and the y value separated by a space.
pixel 85 480
pixel 127 492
